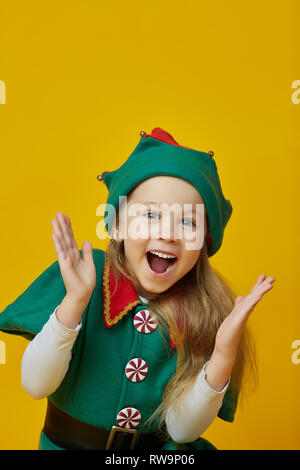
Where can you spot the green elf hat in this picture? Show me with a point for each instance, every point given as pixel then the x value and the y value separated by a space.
pixel 159 154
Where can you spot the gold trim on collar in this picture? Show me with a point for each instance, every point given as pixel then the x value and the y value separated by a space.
pixel 107 296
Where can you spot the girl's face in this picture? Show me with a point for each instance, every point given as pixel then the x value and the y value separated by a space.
pixel 164 214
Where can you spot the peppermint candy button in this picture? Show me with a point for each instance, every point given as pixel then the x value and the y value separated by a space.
pixel 136 370
pixel 144 322
pixel 129 418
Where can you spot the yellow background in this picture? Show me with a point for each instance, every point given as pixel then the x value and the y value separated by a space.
pixel 82 80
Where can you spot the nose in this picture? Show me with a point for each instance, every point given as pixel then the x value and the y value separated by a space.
pixel 166 229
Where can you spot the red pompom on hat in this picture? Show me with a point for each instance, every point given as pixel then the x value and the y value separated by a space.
pixel 163 136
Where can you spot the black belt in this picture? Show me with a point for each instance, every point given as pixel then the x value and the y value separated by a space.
pixel 72 434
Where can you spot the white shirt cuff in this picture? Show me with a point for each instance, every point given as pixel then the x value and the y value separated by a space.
pixel 205 386
pixel 61 329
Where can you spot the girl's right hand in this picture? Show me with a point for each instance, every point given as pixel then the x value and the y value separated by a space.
pixel 79 274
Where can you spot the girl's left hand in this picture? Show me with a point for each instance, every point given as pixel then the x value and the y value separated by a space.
pixel 230 331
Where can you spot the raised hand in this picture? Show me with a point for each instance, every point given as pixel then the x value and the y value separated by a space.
pixel 230 331
pixel 79 274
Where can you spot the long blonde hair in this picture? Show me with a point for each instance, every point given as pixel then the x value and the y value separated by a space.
pixel 192 311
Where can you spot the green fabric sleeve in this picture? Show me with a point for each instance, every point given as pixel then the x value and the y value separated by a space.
pixel 229 405
pixel 27 315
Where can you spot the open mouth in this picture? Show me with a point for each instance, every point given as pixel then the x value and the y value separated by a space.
pixel 160 263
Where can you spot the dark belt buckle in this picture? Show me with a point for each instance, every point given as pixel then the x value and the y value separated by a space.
pixel 116 429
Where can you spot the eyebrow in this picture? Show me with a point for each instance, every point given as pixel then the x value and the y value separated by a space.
pixel 157 203
pixel 150 202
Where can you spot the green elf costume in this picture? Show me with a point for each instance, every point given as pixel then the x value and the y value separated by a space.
pixel 99 404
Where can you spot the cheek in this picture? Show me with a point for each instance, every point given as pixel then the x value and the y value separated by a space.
pixel 190 258
pixel 134 249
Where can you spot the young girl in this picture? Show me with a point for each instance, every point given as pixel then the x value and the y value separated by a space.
pixel 141 346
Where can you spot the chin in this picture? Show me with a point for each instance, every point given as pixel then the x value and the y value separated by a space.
pixel 154 289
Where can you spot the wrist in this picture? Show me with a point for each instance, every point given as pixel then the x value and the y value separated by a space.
pixel 223 360
pixel 77 301
pixel 70 311
pixel 225 355
pixel 218 370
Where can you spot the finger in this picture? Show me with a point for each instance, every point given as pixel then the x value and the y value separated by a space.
pixel 64 229
pixel 251 300
pixel 266 285
pixel 87 252
pixel 59 250
pixel 259 281
pixel 262 283
pixel 58 233
pixel 68 232
pixel 73 241
pixel 254 297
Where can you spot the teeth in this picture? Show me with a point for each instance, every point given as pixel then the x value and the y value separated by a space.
pixel 162 255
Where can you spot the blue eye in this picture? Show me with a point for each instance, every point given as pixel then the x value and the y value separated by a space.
pixel 191 221
pixel 147 213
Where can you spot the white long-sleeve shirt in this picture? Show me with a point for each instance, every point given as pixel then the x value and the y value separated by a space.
pixel 46 361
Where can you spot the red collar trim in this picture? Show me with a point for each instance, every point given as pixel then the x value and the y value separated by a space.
pixel 117 304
